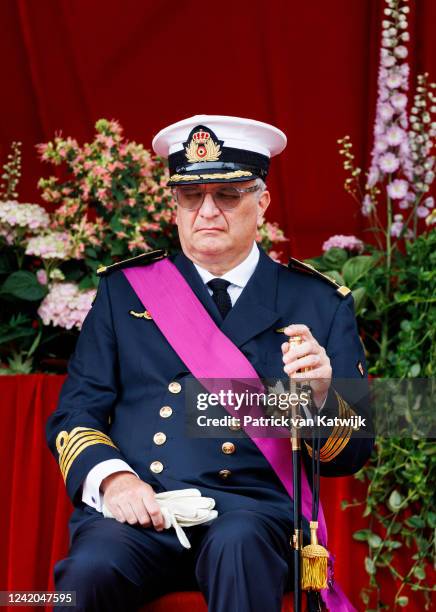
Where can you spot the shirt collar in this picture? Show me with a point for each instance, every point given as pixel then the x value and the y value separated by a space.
pixel 240 275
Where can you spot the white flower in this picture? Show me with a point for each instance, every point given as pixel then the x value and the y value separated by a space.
pixel 54 245
pixel 389 163
pixel 386 111
pixel 395 135
pixel 66 305
pixel 394 80
pixel 399 101
pixel 397 190
pixel 26 217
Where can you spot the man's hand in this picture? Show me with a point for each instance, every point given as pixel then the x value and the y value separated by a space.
pixel 131 500
pixel 309 354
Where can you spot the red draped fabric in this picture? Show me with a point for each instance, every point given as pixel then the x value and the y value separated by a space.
pixel 308 67
pixel 34 510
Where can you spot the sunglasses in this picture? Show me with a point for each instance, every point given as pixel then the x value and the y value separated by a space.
pixel 191 197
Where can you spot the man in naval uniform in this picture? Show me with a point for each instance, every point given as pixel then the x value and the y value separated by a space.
pixel 118 432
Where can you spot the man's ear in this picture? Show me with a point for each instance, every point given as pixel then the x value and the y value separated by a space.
pixel 262 205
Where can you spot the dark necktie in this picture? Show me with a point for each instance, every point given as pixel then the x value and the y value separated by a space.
pixel 220 295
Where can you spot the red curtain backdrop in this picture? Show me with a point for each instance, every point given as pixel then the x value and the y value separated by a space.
pixel 34 510
pixel 308 67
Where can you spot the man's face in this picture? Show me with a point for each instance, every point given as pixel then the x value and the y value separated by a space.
pixel 210 234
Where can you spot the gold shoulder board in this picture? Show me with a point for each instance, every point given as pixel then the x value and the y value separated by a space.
pixel 139 260
pixel 301 266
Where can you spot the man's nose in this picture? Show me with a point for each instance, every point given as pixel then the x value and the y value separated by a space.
pixel 209 208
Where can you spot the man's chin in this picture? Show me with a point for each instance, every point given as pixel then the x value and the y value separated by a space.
pixel 210 244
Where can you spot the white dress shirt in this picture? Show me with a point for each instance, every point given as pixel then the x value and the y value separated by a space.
pixel 238 277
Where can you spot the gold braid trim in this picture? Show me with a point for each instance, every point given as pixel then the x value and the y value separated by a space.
pixel 199 177
pixel 339 437
pixel 70 445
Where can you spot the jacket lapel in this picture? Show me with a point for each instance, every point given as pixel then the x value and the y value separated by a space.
pixel 189 272
pixel 255 309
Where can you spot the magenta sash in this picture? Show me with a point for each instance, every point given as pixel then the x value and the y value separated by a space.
pixel 210 354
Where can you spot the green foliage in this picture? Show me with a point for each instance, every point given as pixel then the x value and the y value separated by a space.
pixel 398 326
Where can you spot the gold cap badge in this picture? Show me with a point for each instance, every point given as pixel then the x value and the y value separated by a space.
pixel 202 146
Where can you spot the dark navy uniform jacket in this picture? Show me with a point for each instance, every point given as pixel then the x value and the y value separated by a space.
pixel 120 377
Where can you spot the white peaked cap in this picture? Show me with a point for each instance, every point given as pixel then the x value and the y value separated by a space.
pixel 236 132
pixel 215 148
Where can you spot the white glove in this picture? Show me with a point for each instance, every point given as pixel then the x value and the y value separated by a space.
pixel 182 508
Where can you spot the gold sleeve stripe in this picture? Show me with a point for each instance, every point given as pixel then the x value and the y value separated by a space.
pixel 77 442
pixel 70 445
pixel 340 435
pixel 79 450
pixel 78 436
pixel 338 449
pixel 344 412
pixel 334 441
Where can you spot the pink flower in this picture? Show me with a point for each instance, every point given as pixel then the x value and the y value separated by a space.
pixel 66 306
pixel 401 52
pixel 395 135
pixel 422 212
pixel 389 163
pixel 397 190
pixel 367 206
pixel 399 101
pixel 373 177
pixel 404 204
pixel 386 111
pixel 388 61
pixel 41 275
pixel 394 80
pixel 350 243
pixel 429 202
pixel 397 226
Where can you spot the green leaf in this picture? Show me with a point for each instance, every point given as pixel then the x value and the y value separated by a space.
pixel 392 544
pixel 118 248
pixel 5 264
pixel 24 286
pixel 359 295
pixel 402 601
pixel 431 518
pixel 419 572
pixel 414 370
pixel 415 521
pixel 16 334
pixel 374 540
pixel 395 500
pixel 86 283
pixel 91 252
pixel 317 262
pixel 335 258
pixel 370 566
pixel 361 535
pixel 335 276
pixel 357 267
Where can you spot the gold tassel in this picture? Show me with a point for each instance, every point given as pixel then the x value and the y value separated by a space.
pixel 314 574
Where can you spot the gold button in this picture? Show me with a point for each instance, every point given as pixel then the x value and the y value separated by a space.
pixel 165 412
pixel 236 425
pixel 228 448
pixel 174 387
pixel 159 438
pixel 224 474
pixel 156 467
